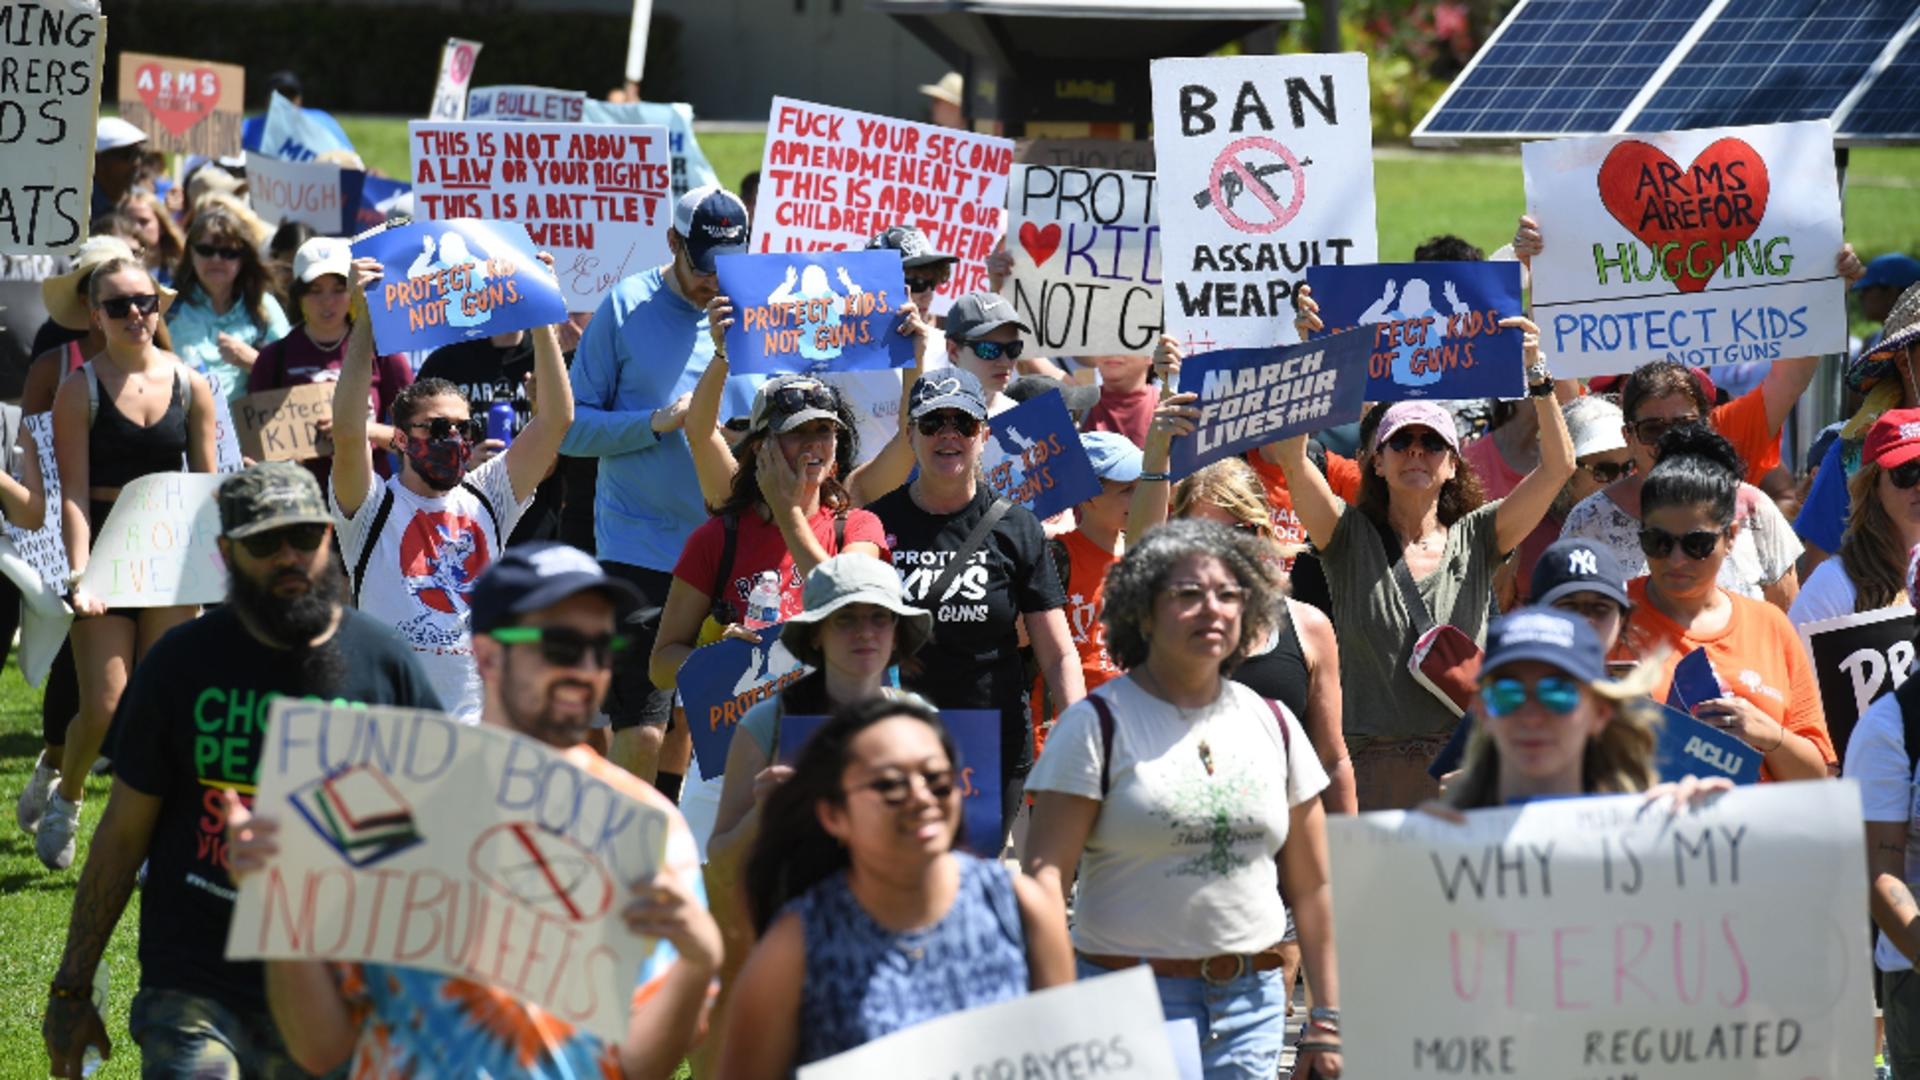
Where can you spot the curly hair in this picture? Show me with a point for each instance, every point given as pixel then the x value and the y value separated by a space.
pixel 1142 574
pixel 1619 760
pixel 1871 551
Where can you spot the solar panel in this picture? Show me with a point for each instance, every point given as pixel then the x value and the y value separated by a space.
pixel 1890 108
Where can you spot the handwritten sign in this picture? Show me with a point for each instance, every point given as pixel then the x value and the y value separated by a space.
pixel 43 546
pixel 449 281
pixel 831 178
pixel 184 106
pixel 1042 465
pixel 825 311
pixel 226 442
pixel 157 548
pixel 391 818
pixel 720 682
pixel 38 565
pixel 47 122
pixel 1124 154
pixel 595 196
pixel 1086 259
pixel 1252 397
pixel 690 167
pixel 1689 747
pixel 1702 247
pixel 1266 169
pixel 1110 1026
pixel 457 58
pixel 324 196
pixel 1858 659
pixel 1436 326
pixel 531 103
pixel 1592 937
pixel 280 425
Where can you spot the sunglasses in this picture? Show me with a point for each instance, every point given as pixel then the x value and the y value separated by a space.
pixel 265 545
pixel 792 399
pixel 1658 543
pixel 1606 472
pixel 1651 430
pixel 440 428
pixel 896 790
pixel 561 646
pixel 211 251
pixel 1430 442
pixel 1905 476
pixel 1251 528
pixel 993 350
pixel 919 284
pixel 935 423
pixel 117 307
pixel 1504 697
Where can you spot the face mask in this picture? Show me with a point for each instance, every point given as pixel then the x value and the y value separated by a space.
pixel 440 462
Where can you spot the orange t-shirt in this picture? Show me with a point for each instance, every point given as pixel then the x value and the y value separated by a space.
pixel 1743 422
pixel 1343 476
pixel 1758 656
pixel 1087 566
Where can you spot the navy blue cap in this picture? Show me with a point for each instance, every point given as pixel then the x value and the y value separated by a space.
pixel 1894 271
pixel 948 388
pixel 529 577
pixel 1575 565
pixel 713 222
pixel 1548 635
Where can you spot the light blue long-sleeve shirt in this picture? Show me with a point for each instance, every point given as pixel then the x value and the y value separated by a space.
pixel 645 347
pixel 196 330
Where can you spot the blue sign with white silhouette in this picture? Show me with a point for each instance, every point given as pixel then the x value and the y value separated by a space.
pixel 1436 326
pixel 815 312
pixel 1044 467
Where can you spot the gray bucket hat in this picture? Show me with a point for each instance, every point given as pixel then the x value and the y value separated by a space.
pixel 853 579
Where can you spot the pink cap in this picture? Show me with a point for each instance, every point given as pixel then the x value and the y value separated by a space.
pixel 1417 414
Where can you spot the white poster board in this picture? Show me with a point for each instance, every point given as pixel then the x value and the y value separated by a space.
pixel 1592 937
pixel 1266 168
pixel 1086 259
pixel 637 39
pixel 226 440
pixel 1702 247
pixel 310 192
pixel 43 547
pixel 36 561
pixel 457 58
pixel 47 116
pixel 538 104
pixel 381 808
pixel 158 548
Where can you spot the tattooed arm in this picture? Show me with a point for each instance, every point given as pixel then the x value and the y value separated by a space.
pixel 1894 909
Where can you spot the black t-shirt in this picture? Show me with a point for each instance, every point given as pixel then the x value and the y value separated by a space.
pixel 973 661
pixel 487 373
pixel 192 723
pixel 52 335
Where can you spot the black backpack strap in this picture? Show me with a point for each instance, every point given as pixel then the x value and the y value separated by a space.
pixel 1908 695
pixel 1062 561
pixel 718 608
pixel 1105 713
pixel 839 531
pixel 487 505
pixel 370 538
pixel 964 554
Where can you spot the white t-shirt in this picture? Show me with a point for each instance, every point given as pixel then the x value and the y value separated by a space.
pixel 1764 549
pixel 1828 593
pixel 1877 760
pixel 1180 863
pixel 424 564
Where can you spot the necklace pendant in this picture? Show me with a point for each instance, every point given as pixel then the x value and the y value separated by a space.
pixel 1206 756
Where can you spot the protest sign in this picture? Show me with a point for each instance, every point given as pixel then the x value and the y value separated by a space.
pixel 226 441
pixel 43 546
pixel 1436 326
pixel 526 103
pixel 1702 247
pixel 831 178
pixel 1086 259
pixel 449 281
pixel 380 199
pixel 47 122
pixel 690 167
pixel 1689 747
pixel 824 311
pixel 410 840
pixel 720 682
pixel 1266 169
pixel 280 425
pixel 1858 658
pixel 157 547
pixel 594 196
pixel 184 106
pixel 1602 937
pixel 637 39
pixel 456 74
pixel 326 197
pixel 1109 1026
pixel 292 134
pixel 1252 397
pixel 1124 154
pixel 1042 465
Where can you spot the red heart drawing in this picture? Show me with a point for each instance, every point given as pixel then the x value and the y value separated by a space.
pixel 1040 243
pixel 178 99
pixel 1716 202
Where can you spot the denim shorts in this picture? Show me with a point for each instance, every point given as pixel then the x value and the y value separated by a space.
pixel 186 1036
pixel 1242 1022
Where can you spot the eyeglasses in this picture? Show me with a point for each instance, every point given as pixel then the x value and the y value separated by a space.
pixel 1187 595
pixel 440 428
pixel 1658 543
pixel 1654 428
pixel 560 646
pixel 896 790
pixel 1606 472
pixel 1429 441
pixel 1905 476
pixel 117 307
pixel 211 251
pixel 266 545
pixel 1504 697
pixel 994 350
pixel 934 423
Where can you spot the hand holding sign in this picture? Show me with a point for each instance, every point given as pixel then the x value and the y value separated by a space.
pixel 1437 327
pixel 814 312
pixel 461 280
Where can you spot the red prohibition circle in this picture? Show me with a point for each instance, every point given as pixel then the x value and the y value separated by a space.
pixel 1229 159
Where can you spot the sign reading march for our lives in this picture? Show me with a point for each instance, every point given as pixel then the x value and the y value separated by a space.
pixel 314 193
pixel 1266 169
pixel 1042 465
pixel 157 548
pixel 533 103
pixel 1702 247
pixel 1086 259
pixel 47 123
pixel 720 682
pixel 825 311
pixel 1436 326
pixel 1606 937
pixel 449 281
pixel 690 167
pixel 1858 658
pixel 1252 397
pixel 409 840
pixel 292 135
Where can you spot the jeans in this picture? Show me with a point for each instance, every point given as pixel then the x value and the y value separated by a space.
pixel 185 1036
pixel 1243 1023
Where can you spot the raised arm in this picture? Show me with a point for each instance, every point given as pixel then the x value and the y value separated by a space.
pixel 1173 416
pixel 352 455
pixel 535 449
pixel 713 463
pixel 888 469
pixel 1788 379
pixel 1523 508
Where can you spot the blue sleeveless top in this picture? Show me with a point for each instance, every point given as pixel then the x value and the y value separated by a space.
pixel 864 981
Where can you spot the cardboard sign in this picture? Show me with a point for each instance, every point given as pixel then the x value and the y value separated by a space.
pixel 326 197
pixel 829 311
pixel 831 178
pixel 43 547
pixel 1858 658
pixel 1124 154
pixel 450 281
pixel 1266 169
pixel 38 564
pixel 1252 397
pixel 184 106
pixel 403 834
pixel 1436 326
pixel 690 167
pixel 1689 747
pixel 1702 247
pixel 1603 937
pixel 157 547
pixel 47 123
pixel 1110 1026
pixel 637 28
pixel 457 58
pixel 1043 467
pixel 596 197
pixel 536 104
pixel 280 425
pixel 1086 259
pixel 291 135
pixel 720 682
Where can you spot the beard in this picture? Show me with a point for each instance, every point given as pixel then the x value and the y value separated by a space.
pixel 293 623
pixel 531 713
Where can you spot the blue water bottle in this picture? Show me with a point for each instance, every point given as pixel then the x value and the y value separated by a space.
pixel 500 421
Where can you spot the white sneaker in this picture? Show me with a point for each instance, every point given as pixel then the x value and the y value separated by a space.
pixel 33 798
pixel 54 841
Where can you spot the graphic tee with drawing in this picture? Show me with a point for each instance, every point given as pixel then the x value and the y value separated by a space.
pixel 423 566
pixel 758 546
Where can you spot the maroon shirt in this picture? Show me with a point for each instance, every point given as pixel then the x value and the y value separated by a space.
pixel 1129 414
pixel 295 360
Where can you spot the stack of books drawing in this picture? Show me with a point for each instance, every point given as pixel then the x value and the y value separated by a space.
pixel 359 813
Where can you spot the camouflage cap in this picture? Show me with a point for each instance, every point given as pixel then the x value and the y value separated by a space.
pixel 270 495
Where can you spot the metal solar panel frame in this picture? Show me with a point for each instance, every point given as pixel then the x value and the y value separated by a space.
pixel 1843 133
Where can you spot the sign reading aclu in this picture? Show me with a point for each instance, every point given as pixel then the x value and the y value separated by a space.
pixel 1086 259
pixel 1266 169
pixel 828 311
pixel 1701 247
pixel 1042 465
pixel 720 682
pixel 47 122
pixel 184 106
pixel 1601 937
pixel 1252 397
pixel 449 281
pixel 1858 658
pixel 157 548
pixel 1436 326
pixel 537 103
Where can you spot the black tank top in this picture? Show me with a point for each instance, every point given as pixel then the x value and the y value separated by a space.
pixel 1280 673
pixel 120 451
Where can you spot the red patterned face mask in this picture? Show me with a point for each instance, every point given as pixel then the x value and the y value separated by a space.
pixel 440 462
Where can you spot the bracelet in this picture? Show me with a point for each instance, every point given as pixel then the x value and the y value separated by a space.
pixel 1541 389
pixel 1151 476
pixel 1777 743
pixel 1324 1012
pixel 1322 1025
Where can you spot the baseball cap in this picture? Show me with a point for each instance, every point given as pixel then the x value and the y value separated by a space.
pixel 270 495
pixel 948 388
pixel 1595 424
pixel 976 315
pixel 323 255
pixel 1574 565
pixel 1416 414
pixel 1894 271
pixel 528 577
pixel 853 579
pixel 912 244
pixel 1550 636
pixel 1114 457
pixel 713 222
pixel 786 402
pixel 1893 440
pixel 112 133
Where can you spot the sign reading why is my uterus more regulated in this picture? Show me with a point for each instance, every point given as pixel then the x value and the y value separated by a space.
pixel 184 106
pixel 1266 169
pixel 1436 326
pixel 825 311
pixel 1701 247
pixel 410 840
pixel 1086 259
pixel 1252 397
pixel 47 121
pixel 449 281
pixel 457 58
pixel 157 548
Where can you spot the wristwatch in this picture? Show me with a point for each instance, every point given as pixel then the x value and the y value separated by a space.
pixel 1539 380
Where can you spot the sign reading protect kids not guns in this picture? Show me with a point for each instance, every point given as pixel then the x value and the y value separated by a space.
pixel 1603 937
pixel 1266 169
pixel 1086 259
pixel 1701 247
pixel 47 123
pixel 720 682
pixel 184 106
pixel 410 840
pixel 157 548
pixel 1436 326
pixel 828 311
pixel 448 281
pixel 595 196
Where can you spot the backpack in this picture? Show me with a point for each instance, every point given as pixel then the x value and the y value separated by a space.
pixel 718 609
pixel 380 524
